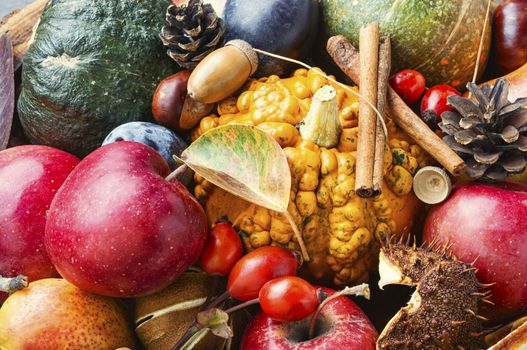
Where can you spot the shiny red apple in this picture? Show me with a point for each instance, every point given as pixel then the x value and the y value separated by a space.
pixel 488 222
pixel 118 228
pixel 30 176
pixel 341 326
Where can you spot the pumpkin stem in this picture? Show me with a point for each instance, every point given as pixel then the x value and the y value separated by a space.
pixel 11 285
pixel 298 235
pixel 322 123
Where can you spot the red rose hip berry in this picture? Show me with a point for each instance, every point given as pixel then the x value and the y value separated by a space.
pixel 436 99
pixel 223 249
pixel 288 299
pixel 258 267
pixel 409 85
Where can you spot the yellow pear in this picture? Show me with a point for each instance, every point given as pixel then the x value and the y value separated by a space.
pixel 52 314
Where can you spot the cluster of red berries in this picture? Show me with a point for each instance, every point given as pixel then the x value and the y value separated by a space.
pixel 410 85
pixel 267 273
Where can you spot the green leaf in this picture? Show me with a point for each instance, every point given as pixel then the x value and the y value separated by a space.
pixel 248 163
pixel 245 161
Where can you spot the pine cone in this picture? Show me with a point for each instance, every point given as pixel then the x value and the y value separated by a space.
pixel 489 133
pixel 193 31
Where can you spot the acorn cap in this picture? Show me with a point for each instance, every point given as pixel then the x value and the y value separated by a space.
pixel 247 49
pixel 432 185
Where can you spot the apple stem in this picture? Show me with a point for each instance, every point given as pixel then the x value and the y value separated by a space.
pixel 360 290
pixel 176 174
pixel 242 305
pixel 11 285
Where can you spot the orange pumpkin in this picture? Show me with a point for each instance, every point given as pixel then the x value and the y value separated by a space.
pixel 341 230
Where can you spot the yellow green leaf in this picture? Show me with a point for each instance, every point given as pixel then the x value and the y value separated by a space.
pixel 246 162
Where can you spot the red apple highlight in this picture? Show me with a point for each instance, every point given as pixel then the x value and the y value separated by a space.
pixel 30 176
pixel 118 228
pixel 341 326
pixel 488 222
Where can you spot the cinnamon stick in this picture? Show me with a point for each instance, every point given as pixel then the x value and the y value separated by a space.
pixel 385 66
pixel 347 58
pixel 369 46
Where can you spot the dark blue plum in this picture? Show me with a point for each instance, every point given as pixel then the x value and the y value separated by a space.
pixel 166 142
pixel 285 27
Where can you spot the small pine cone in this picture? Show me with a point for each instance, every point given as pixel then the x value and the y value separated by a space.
pixel 193 31
pixel 489 132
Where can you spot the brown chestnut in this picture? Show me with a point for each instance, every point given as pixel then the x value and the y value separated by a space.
pixel 169 98
pixel 510 35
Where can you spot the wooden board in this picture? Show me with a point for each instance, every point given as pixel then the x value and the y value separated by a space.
pixel 19 27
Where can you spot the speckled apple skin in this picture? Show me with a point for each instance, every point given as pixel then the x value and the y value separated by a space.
pixel 118 228
pixel 487 223
pixel 30 176
pixel 52 314
pixel 352 330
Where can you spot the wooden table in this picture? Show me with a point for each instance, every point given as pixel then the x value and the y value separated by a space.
pixel 8 6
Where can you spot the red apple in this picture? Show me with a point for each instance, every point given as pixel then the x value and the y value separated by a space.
pixel 488 222
pixel 29 178
pixel 342 326
pixel 118 228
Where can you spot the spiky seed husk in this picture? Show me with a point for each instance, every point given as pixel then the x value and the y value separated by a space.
pixel 489 133
pixel 442 313
pixel 192 32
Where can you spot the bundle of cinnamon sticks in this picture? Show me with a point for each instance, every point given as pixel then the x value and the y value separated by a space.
pixel 375 65
pixel 370 70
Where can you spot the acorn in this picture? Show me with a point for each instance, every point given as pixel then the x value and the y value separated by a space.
pixel 161 319
pixel 222 72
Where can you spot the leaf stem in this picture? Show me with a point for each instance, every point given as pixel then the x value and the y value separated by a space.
pixel 176 174
pixel 480 48
pixel 298 235
pixel 193 329
pixel 360 290
pixel 242 305
pixel 220 299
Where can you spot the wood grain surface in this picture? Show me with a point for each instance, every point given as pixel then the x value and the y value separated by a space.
pixel 8 6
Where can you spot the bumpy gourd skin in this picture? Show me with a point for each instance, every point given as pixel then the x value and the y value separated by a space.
pixel 340 229
pixel 93 66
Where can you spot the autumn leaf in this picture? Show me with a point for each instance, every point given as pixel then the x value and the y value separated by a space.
pixel 248 163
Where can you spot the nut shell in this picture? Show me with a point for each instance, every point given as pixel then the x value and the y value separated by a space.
pixel 162 318
pixel 222 72
pixel 432 185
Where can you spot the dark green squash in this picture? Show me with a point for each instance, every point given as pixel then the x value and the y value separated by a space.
pixel 439 38
pixel 94 65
